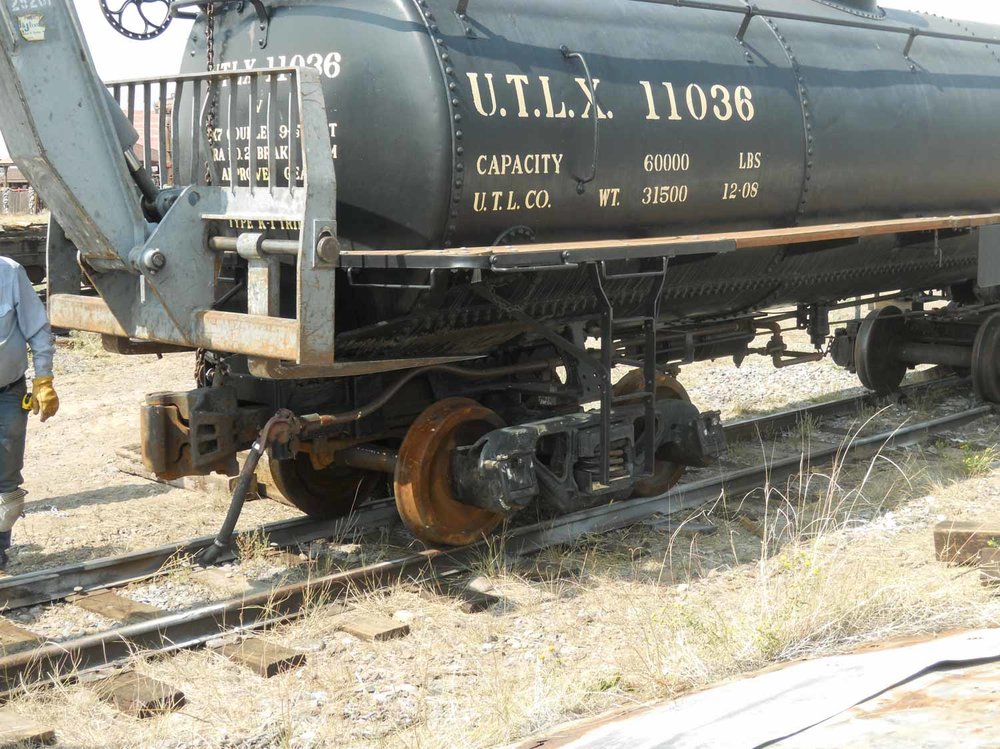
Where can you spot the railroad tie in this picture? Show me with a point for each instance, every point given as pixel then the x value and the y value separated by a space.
pixel 267 659
pixel 138 695
pixel 18 732
pixel 230 581
pixel 546 572
pixel 113 606
pixel 14 638
pixel 128 460
pixel 959 541
pixel 372 627
pixel 288 558
pixel 223 581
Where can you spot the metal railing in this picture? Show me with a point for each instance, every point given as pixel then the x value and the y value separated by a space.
pixel 252 151
pixel 258 144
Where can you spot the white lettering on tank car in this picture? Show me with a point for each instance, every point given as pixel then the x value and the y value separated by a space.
pixel 532 97
pixel 526 92
pixel 517 164
pixel 328 64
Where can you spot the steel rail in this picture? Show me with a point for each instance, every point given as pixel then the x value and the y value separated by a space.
pixel 175 631
pixel 934 379
pixel 57 583
pixel 700 493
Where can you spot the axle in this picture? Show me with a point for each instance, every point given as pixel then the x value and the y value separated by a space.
pixel 889 341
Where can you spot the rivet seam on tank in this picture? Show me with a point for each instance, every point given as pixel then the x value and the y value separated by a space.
pixel 454 116
pixel 853 11
pixel 807 117
pixel 965 29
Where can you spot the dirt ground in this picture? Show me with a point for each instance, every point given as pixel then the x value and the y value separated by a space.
pixel 633 616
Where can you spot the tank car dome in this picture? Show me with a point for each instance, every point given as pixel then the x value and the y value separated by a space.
pixel 865 7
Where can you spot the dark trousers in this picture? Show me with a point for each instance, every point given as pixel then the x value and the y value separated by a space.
pixel 13 430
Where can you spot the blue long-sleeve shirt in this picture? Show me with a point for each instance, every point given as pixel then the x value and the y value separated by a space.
pixel 23 323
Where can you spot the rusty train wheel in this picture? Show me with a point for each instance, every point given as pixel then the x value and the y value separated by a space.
pixel 666 474
pixel 330 492
pixel 424 495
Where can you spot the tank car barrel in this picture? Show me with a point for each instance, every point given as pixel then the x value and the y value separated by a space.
pixel 710 131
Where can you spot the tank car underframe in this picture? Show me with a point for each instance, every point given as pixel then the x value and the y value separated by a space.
pixel 468 446
pixel 485 471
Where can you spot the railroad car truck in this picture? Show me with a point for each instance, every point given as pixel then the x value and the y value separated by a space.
pixel 409 240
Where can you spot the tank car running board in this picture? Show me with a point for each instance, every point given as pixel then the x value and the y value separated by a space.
pixel 572 254
pixel 270 339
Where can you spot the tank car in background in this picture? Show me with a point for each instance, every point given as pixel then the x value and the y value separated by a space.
pixel 24 242
pixel 513 180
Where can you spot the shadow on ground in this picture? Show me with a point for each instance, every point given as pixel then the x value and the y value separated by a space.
pixel 108 496
pixel 27 557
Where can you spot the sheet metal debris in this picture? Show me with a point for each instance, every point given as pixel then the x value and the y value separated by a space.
pixel 954 707
pixel 837 692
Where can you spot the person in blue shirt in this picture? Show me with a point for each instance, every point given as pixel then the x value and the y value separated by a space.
pixel 23 323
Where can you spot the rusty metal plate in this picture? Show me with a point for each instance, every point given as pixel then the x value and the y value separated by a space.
pixel 275 337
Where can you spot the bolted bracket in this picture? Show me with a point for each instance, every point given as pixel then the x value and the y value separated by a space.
pixel 263 23
pixel 263 27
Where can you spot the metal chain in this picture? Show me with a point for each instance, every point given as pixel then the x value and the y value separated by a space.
pixel 210 369
pixel 204 373
pixel 210 35
pixel 201 368
pixel 213 104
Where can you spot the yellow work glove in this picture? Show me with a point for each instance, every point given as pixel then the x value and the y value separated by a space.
pixel 43 397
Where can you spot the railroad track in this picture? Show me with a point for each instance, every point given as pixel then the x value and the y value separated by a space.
pixel 164 631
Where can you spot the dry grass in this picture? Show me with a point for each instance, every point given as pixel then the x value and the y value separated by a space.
pixel 808 600
pixel 253 548
pixel 88 345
